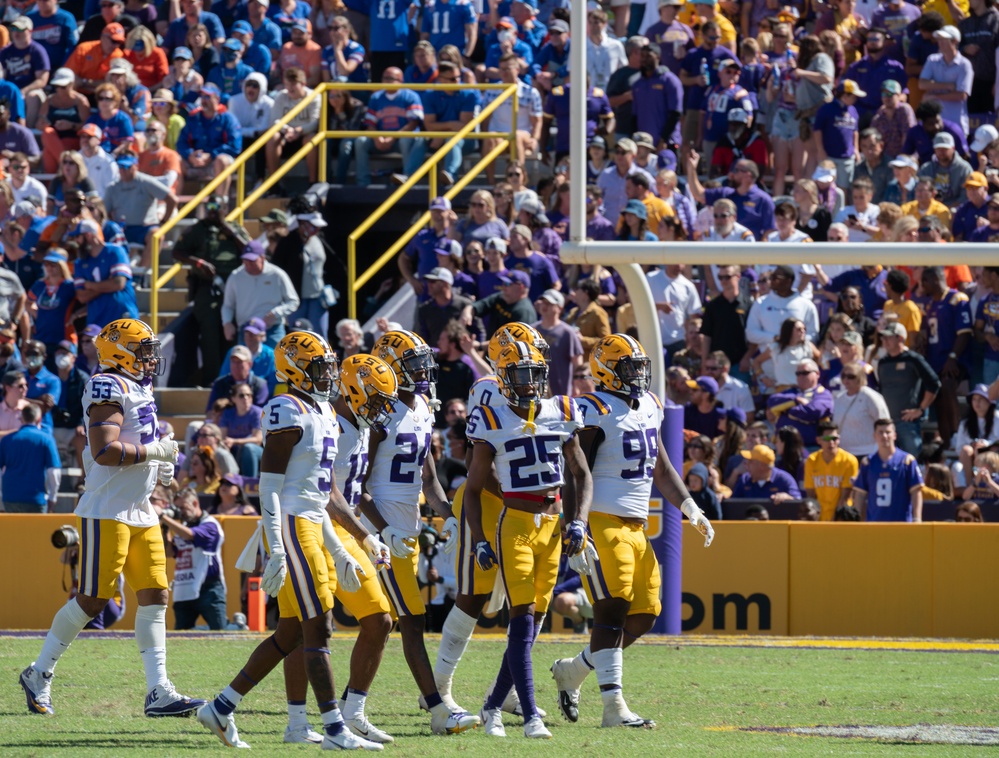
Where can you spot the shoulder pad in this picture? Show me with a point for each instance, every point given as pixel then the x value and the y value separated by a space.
pixel 283 412
pixel 566 407
pixel 908 460
pixel 107 388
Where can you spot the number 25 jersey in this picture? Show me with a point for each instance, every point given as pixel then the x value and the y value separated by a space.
pixel 121 493
pixel 308 479
pixel 527 461
pixel 622 469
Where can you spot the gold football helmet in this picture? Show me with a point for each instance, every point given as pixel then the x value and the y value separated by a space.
pixel 306 362
pixel 410 358
pixel 516 331
pixel 619 364
pixel 523 374
pixel 370 388
pixel 131 347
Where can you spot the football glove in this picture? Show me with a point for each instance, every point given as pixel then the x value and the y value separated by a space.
pixel 575 537
pixel 274 573
pixel 584 561
pixel 270 518
pixel 347 567
pixel 451 529
pixel 164 474
pixel 377 551
pixel 401 545
pixel 164 449
pixel 484 555
pixel 698 520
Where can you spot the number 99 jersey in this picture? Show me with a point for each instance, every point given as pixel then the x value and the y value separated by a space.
pixel 622 469
pixel 524 461
pixel 308 479
pixel 120 493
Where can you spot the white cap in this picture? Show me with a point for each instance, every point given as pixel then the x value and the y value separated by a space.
pixel 985 135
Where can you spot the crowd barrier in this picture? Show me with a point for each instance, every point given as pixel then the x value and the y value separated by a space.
pixel 774 578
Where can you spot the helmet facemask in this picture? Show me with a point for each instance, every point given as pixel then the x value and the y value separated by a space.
pixel 148 357
pixel 635 373
pixel 376 411
pixel 323 374
pixel 416 362
pixel 525 384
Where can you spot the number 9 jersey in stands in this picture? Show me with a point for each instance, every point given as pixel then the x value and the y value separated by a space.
pixel 308 480
pixel 622 469
pixel 396 477
pixel 525 460
pixel 121 493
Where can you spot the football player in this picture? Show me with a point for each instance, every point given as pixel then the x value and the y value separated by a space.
pixel 475 586
pixel 399 469
pixel 620 436
pixel 297 492
pixel 530 439
pixel 119 531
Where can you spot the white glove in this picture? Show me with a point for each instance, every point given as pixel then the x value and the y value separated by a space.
pixel 164 449
pixel 274 573
pixel 451 529
pixel 698 520
pixel 270 518
pixel 400 544
pixel 377 550
pixel 165 473
pixel 584 561
pixel 347 567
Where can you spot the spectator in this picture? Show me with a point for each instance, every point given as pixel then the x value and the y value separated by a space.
pixel 875 69
pixel 604 52
pixel 902 188
pixel 184 82
pixel 739 142
pixel 525 258
pixel 926 206
pixel 193 16
pixel 893 119
pixel 50 299
pixel 762 481
pixel 698 72
pixel 732 392
pixel 44 387
pixel 873 165
pixel 776 364
pixel 444 306
pixel 54 29
pixel 103 276
pixel 985 482
pixel 588 317
pixel 657 100
pixel 786 218
pixel 930 122
pixel 134 96
pixel 978 430
pixel 133 200
pixel 987 310
pixel 947 77
pixel 553 57
pixel 598 226
pixel 256 56
pixel 424 67
pixel 647 157
pixel 506 42
pixel 830 471
pixel 803 406
pixel 619 86
pixel 908 384
pixel 813 219
pixel 968 513
pixel 301 53
pixel 703 414
pixel 88 360
pixel 396 110
pixel 148 60
pixel 861 218
pixel 637 186
pixel 768 314
pixel 836 131
pixel 302 256
pixel 229 77
pixel 455 373
pixel 856 409
pixel 230 500
pixel 265 32
pixel 509 304
pixel 114 122
pixel 67 416
pixel 599 116
pixel 698 482
pixel 258 290
pixel 30 464
pixel 979 31
pixel 343 55
pixel 719 101
pixel 635 223
pixel 209 460
pixel 90 61
pixel 15 391
pixel 159 161
pixel 15 138
pixel 972 214
pixel 60 117
pixel 481 223
pixel 947 170
pixel 102 171
pixel 198 580
pixel 111 12
pixel 563 340
pixel 676 300
pixel 754 207
pixel 26 65
pixel 893 476
pixel 210 139
pixel 814 73
pixel 419 257
pixel 254 333
pixel 240 372
pixel 529 114
pixel 25 186
pixel 240 425
pixel 612 182
pixel 897 284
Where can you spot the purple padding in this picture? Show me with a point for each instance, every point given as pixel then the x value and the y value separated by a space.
pixel 669 544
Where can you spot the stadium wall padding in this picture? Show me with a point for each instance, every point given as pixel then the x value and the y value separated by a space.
pixel 777 578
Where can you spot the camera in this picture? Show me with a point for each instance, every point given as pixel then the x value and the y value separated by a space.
pixel 171 512
pixel 65 536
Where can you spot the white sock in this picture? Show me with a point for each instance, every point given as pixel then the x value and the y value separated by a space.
pixel 66 625
pixel 582 665
pixel 332 717
pixel 457 631
pixel 353 705
pixel 150 635
pixel 609 664
pixel 297 714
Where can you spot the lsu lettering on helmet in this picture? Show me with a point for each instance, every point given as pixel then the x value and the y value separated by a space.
pixel 306 361
pixel 516 331
pixel 410 358
pixel 131 347
pixel 522 373
pixel 619 364
pixel 370 388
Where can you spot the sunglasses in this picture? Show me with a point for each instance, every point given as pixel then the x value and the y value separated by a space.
pixel 105 98
pixel 244 394
pixel 723 215
pixel 20 386
pixel 803 373
pixel 925 229
pixel 830 438
pixel 848 376
pixel 19 167
pixel 726 277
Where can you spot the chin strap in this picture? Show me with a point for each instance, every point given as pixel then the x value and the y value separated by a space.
pixel 433 402
pixel 529 426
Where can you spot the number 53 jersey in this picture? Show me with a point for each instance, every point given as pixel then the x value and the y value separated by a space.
pixel 120 493
pixel 308 479
pixel 525 460
pixel 622 469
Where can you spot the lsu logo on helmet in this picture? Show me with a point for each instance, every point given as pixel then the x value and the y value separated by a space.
pixel 410 358
pixel 130 346
pixel 516 331
pixel 306 361
pixel 620 364
pixel 522 373
pixel 370 388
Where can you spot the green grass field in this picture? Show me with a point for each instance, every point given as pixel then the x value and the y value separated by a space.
pixel 700 697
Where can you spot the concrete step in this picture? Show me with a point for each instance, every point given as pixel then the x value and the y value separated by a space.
pixel 181 401
pixel 180 421
pixel 265 205
pixel 170 299
pixel 165 319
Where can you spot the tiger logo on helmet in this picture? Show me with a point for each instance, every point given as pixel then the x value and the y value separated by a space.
pixel 130 346
pixel 370 388
pixel 522 373
pixel 516 331
pixel 306 362
pixel 620 364
pixel 409 357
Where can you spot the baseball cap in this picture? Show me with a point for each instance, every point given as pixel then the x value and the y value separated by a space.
pixel 636 207
pixel 532 206
pixel 126 160
pixel 523 231
pixel 255 326
pixel 729 63
pixel 496 243
pixel 275 216
pixel 68 346
pixel 55 256
pixel 853 337
pixel 705 383
pixel 235 479
pixel 22 24
pixel 115 31
pixel 850 87
pixel 982 390
pixel 265 3
pixel 24 208
pixel 119 65
pixel 644 139
pixel 449 247
pixel 823 174
pixel 558 25
pixel 210 89
pixel 736 414
pixel 254 251
pixel 904 161
pixel 515 277
pixel 670 2
pixel 242 27
pixel 760 453
pixel 891 87
pixel 62 77
pixel 554 297
pixel 91 330
pixel 738 114
pixel 627 145
pixel 84 227
pixel 893 329
pixel 439 274
pixel 233 44
pixel 183 52
pixel 301 25
pixel 943 139
pixel 948 32
pixel 315 218
pixel 597 141
pixel 91 130
pixel 440 203
pixel 985 135
pixel 506 22
pixel 241 353
pixel 976 179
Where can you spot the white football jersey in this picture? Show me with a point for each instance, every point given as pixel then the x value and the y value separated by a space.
pixel 121 493
pixel 622 469
pixel 396 478
pixel 485 391
pixel 351 460
pixel 527 461
pixel 307 480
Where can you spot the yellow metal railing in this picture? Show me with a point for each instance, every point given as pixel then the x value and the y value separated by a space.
pixel 507 140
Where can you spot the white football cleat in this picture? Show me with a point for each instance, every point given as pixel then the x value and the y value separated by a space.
pixel 492 719
pixel 452 722
pixel 223 727
pixel 617 713
pixel 444 690
pixel 568 688
pixel 303 734
pixel 368 731
pixel 347 740
pixel 536 729
pixel 164 700
pixel 37 690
